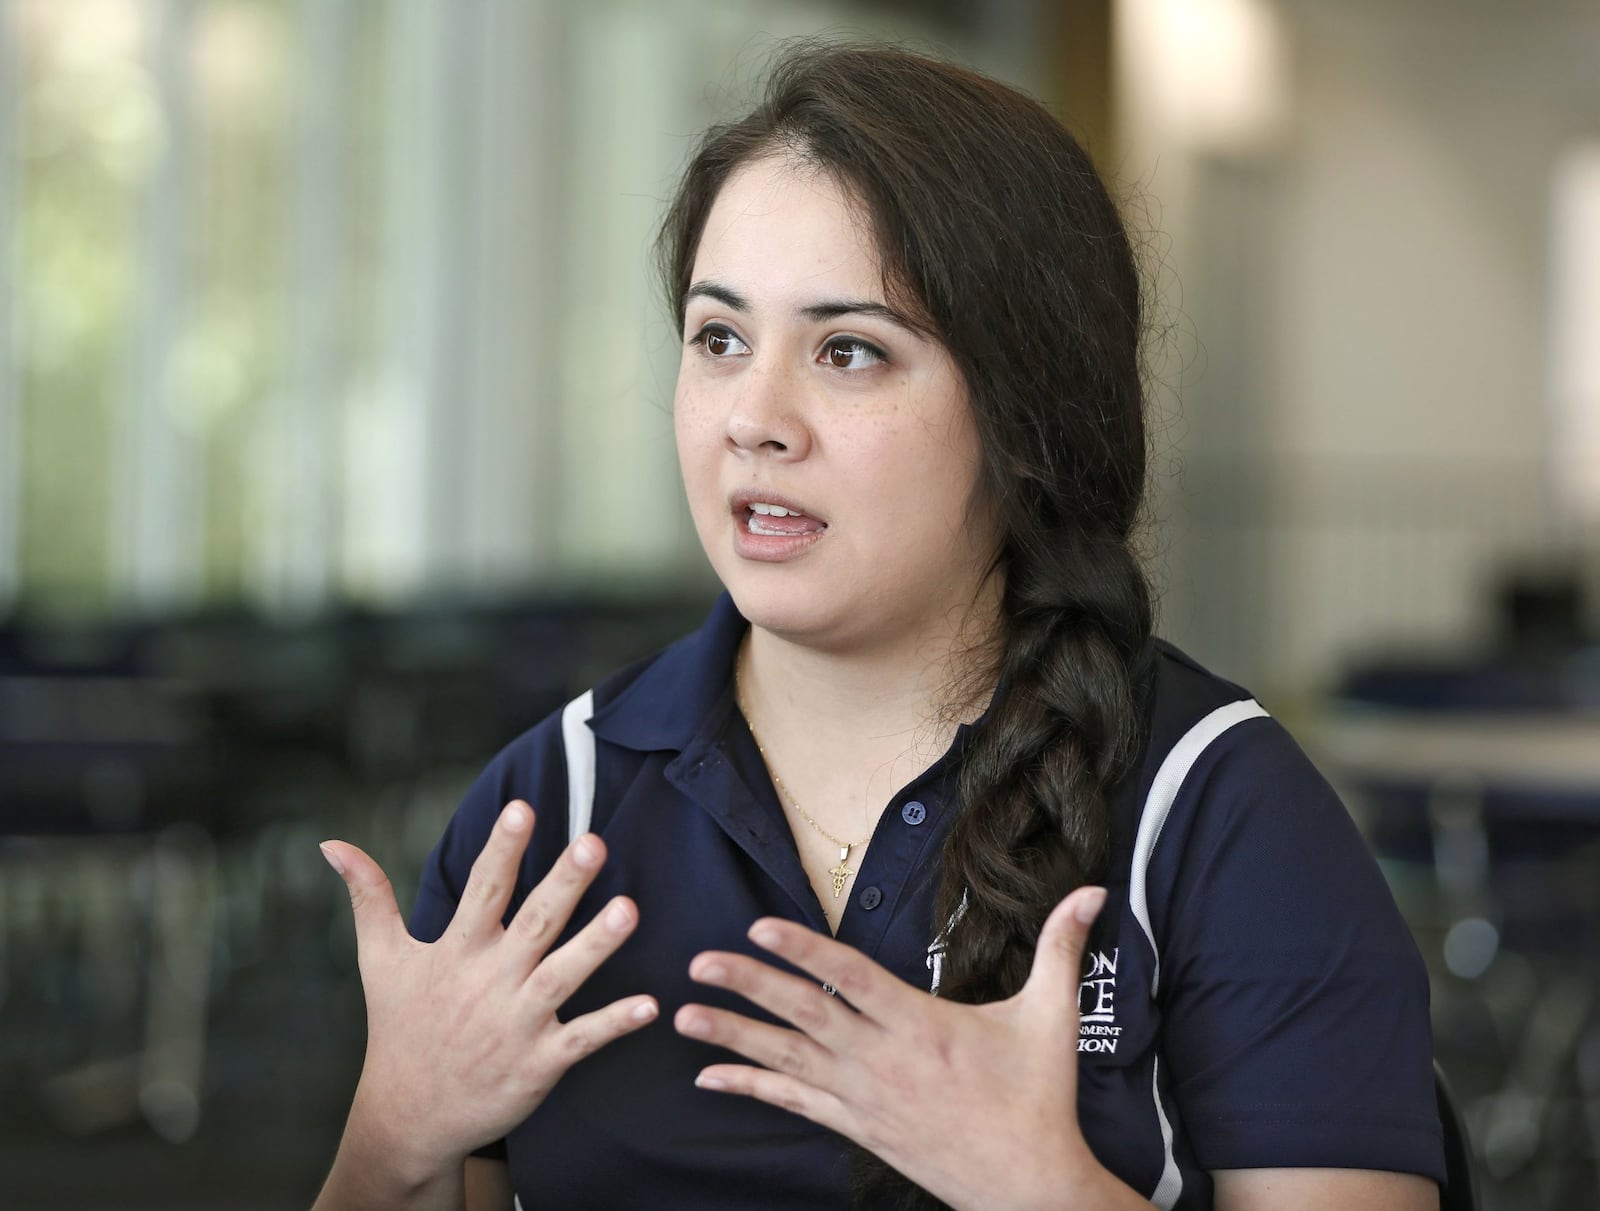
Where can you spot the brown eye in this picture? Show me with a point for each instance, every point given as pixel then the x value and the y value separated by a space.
pixel 844 354
pixel 719 342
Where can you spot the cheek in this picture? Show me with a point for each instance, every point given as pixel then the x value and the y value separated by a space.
pixel 928 469
pixel 688 424
pixel 699 441
pixel 948 487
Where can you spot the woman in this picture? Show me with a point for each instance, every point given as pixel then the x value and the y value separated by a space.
pixel 925 743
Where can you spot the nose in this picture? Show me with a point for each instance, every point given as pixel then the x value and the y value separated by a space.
pixel 767 416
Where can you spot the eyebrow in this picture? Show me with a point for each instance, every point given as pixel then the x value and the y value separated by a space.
pixel 826 309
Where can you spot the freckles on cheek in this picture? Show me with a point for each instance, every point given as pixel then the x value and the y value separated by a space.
pixel 691 425
pixel 691 408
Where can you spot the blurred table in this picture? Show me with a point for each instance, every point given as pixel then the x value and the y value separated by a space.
pixel 1503 810
pixel 1521 751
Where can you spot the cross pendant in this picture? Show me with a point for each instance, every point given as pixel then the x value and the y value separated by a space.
pixel 841 872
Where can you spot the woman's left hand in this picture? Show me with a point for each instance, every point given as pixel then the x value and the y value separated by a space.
pixel 975 1103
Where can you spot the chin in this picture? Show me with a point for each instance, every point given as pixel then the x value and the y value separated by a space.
pixel 795 616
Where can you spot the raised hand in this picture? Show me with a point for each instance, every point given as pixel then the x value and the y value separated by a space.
pixel 976 1103
pixel 463 1041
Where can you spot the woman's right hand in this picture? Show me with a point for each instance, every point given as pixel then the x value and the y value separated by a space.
pixel 463 1041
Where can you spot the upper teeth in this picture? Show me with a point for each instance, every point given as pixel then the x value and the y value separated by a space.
pixel 773 510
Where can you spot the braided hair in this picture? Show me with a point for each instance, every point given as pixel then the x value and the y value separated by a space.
pixel 995 230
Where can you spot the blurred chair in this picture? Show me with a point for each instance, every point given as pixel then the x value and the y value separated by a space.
pixel 104 777
pixel 1479 788
pixel 162 788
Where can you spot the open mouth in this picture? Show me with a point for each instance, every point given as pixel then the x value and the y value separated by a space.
pixel 780 521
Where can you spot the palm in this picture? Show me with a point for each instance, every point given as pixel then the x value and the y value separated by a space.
pixel 976 1103
pixel 463 1041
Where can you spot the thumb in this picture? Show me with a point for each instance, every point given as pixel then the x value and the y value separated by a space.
pixel 377 915
pixel 1058 958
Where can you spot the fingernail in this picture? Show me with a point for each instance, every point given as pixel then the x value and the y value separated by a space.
pixel 709 1082
pixel 644 1011
pixel 585 852
pixel 1089 904
pixel 333 858
pixel 514 817
pixel 713 973
pixel 765 936
pixel 694 1027
pixel 617 918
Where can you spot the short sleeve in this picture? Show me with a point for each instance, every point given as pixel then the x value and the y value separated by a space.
pixel 1294 1000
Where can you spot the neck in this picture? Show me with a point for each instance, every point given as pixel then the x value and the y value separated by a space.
pixel 871 703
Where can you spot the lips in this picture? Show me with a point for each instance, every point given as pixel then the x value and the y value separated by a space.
pixel 770 527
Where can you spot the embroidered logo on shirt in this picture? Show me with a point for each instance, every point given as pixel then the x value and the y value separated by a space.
pixel 942 942
pixel 1097 1006
pixel 936 962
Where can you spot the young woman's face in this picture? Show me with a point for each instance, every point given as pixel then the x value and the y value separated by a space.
pixel 827 448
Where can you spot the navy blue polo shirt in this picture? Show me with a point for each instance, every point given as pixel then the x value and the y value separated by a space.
pixel 1253 998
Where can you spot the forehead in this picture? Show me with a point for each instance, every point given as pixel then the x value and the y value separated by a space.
pixel 780 221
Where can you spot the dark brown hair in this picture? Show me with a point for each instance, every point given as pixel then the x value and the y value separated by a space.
pixel 995 229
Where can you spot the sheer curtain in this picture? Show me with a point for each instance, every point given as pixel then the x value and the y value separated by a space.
pixel 10 427
pixel 352 299
pixel 1574 258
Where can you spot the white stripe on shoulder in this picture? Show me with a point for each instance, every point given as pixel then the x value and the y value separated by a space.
pixel 1165 1195
pixel 578 741
pixel 1164 790
pixel 1163 793
pixel 516 1202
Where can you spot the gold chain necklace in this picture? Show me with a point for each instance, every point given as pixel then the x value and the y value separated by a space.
pixel 840 872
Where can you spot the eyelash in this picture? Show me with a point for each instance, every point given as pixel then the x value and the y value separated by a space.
pixel 849 343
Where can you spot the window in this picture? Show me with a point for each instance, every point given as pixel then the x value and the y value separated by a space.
pixel 1575 334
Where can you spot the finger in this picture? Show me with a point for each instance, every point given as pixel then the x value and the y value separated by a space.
pixel 777 1048
pixel 1052 987
pixel 564 970
pixel 494 874
pixel 377 916
pixel 781 1090
pixel 802 1002
pixel 856 978
pixel 548 908
pixel 587 1033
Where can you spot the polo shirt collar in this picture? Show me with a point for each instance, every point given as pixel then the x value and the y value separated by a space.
pixel 665 706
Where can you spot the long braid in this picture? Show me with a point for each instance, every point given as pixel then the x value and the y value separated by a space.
pixel 1034 783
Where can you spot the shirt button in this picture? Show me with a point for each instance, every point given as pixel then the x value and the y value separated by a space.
pixel 871 897
pixel 913 813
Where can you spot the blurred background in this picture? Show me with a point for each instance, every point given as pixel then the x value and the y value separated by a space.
pixel 335 450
